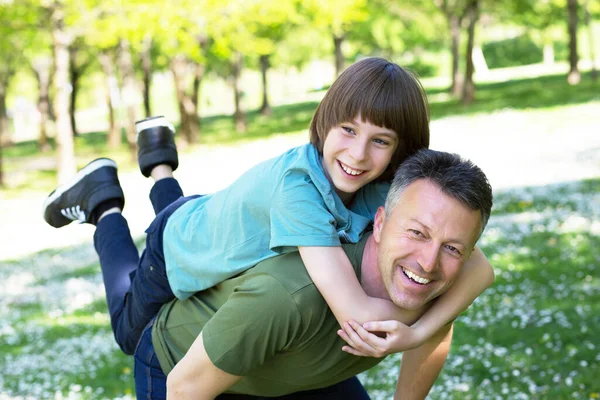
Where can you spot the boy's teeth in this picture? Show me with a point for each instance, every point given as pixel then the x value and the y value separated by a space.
pixel 416 278
pixel 349 170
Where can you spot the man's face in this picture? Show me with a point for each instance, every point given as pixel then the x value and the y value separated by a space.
pixel 423 243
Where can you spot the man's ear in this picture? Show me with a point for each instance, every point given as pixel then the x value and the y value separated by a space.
pixel 378 224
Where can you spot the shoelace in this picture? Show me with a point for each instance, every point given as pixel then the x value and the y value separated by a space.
pixel 75 213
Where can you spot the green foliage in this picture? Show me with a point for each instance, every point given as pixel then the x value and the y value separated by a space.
pixel 520 50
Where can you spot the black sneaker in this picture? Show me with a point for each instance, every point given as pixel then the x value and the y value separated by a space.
pixel 95 183
pixel 156 144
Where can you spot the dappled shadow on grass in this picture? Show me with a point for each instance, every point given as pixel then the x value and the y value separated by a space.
pixel 540 92
pixel 70 354
pixel 289 118
pixel 536 199
pixel 541 315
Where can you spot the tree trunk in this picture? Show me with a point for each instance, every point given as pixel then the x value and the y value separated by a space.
pixel 113 138
pixel 41 67
pixel 574 76
pixel 129 94
pixel 339 56
pixel 591 42
pixel 147 72
pixel 188 127
pixel 4 130
pixel 265 108
pixel 454 22
pixel 74 75
pixel 468 93
pixel 200 70
pixel 65 147
pixel 239 116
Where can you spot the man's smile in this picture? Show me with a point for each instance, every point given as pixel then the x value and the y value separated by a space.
pixel 414 277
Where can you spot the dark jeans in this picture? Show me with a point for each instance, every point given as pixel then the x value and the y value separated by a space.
pixel 151 382
pixel 136 287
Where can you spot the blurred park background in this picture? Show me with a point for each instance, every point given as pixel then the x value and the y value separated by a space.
pixel 512 84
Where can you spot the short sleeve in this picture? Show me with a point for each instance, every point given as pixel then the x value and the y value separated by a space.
pixel 299 215
pixel 369 199
pixel 258 320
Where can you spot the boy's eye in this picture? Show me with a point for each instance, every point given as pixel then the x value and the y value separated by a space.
pixel 348 129
pixel 381 142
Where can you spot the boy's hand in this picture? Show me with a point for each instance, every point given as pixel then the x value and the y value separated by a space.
pixel 378 338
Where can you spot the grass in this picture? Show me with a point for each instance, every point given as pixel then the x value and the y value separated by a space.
pixel 533 335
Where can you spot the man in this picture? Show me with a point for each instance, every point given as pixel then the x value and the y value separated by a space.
pixel 268 331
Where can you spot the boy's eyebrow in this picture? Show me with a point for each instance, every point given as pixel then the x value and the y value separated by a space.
pixel 389 132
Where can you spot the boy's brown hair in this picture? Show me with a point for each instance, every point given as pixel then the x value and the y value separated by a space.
pixel 383 94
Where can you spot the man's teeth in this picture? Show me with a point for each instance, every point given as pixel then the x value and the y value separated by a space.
pixel 416 278
pixel 350 171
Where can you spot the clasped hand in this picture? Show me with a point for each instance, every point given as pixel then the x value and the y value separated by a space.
pixel 378 338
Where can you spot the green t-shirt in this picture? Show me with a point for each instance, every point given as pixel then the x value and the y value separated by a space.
pixel 270 325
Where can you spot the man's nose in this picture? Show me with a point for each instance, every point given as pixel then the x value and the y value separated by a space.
pixel 429 257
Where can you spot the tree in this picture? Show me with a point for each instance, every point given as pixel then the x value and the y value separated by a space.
pixel 42 66
pixel 61 39
pixel 454 11
pixel 80 59
pixel 472 15
pixel 106 58
pixel 336 17
pixel 574 76
pixel 588 23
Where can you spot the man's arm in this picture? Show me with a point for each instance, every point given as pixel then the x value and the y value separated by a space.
pixel 421 366
pixel 196 377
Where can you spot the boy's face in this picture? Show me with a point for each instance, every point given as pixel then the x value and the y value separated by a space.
pixel 355 153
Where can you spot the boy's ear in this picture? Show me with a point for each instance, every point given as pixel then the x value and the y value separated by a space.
pixel 378 224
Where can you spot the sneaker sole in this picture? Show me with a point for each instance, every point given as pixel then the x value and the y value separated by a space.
pixel 152 122
pixel 88 169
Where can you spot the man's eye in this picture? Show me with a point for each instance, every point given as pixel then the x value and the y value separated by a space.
pixel 453 250
pixel 415 232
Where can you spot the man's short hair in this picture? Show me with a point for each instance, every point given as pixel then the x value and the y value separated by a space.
pixel 456 177
pixel 382 93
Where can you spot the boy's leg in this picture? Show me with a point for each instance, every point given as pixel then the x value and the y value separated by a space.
pixel 95 196
pixel 158 158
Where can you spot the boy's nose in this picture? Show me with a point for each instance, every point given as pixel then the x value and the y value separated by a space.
pixel 358 151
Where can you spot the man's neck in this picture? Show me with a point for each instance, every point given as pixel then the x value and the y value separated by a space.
pixel 370 275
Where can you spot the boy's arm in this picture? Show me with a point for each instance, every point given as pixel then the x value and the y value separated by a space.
pixel 421 366
pixel 196 377
pixel 476 275
pixel 331 271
